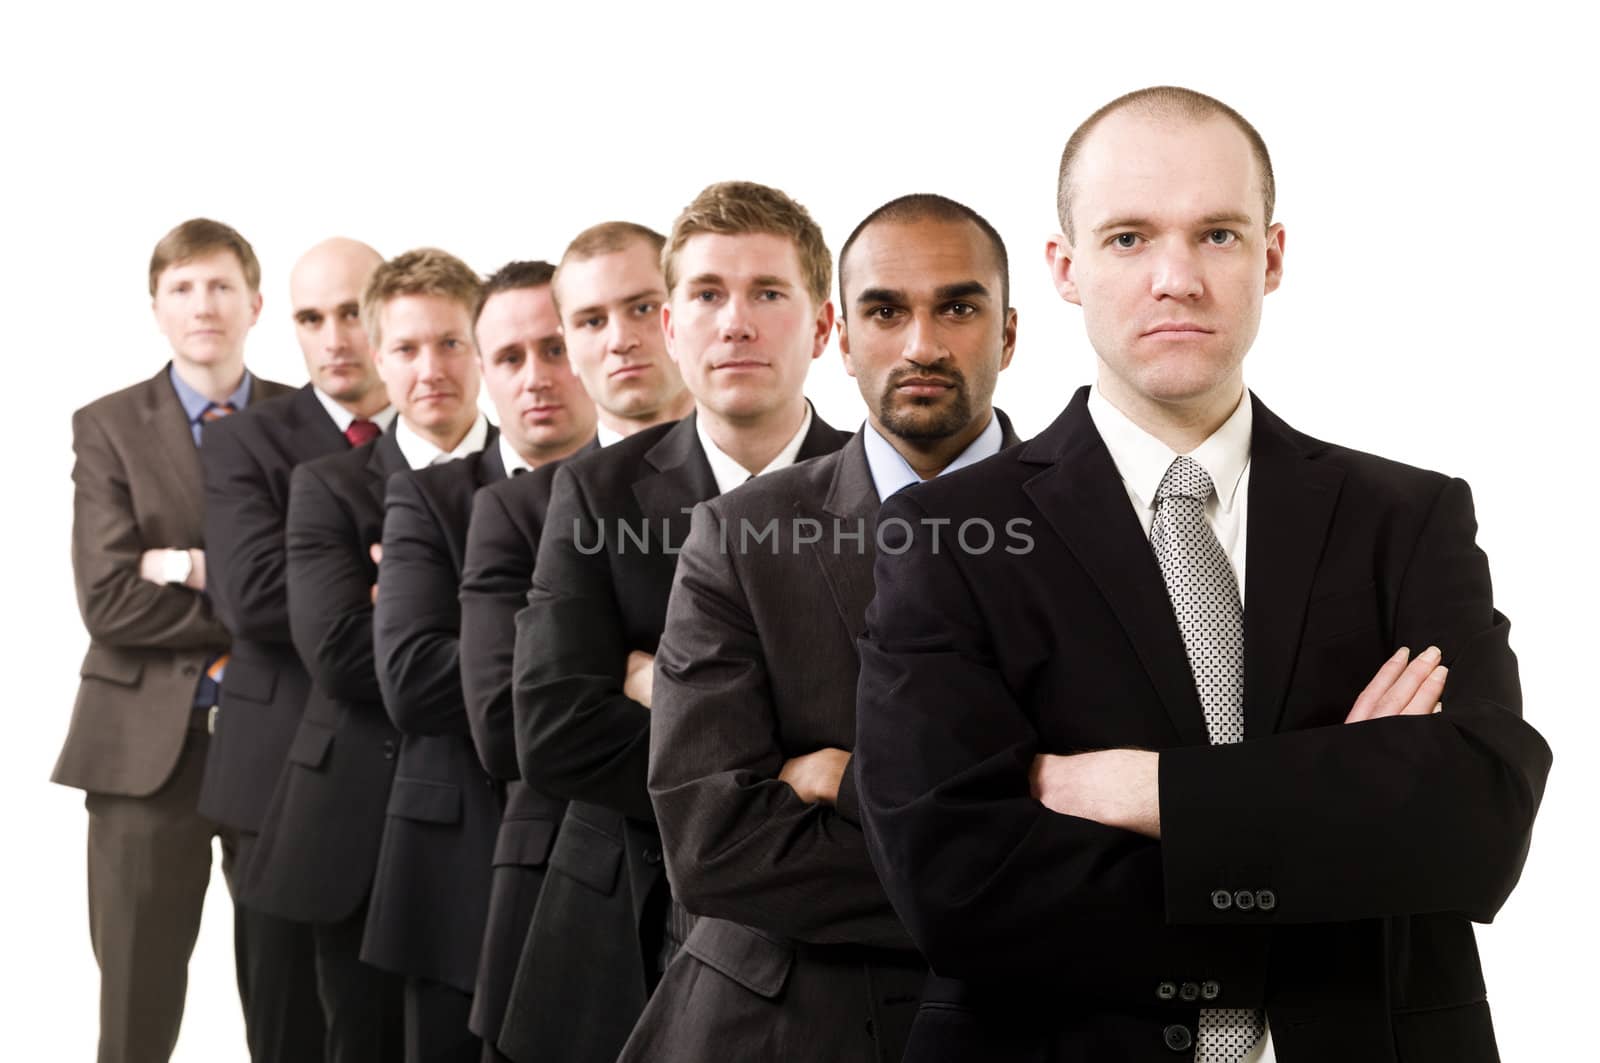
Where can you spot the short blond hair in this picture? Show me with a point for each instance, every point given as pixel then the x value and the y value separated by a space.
pixel 425 271
pixel 734 208
pixel 1164 101
pixel 607 238
pixel 197 237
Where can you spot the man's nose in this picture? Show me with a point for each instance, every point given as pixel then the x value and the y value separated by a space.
pixel 620 338
pixel 922 342
pixel 734 322
pixel 1176 272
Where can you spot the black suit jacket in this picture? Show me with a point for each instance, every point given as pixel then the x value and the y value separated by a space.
pixel 502 541
pixel 757 665
pixel 430 895
pixel 1324 871
pixel 318 848
pixel 580 738
pixel 247 459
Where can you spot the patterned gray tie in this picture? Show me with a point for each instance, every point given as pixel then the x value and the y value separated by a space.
pixel 1205 600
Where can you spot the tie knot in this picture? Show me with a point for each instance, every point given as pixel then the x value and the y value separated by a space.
pixel 216 411
pixel 1185 478
pixel 362 431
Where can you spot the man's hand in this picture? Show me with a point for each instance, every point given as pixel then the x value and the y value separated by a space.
pixel 375 551
pixel 1117 787
pixel 1402 689
pixel 816 776
pixel 153 567
pixel 640 680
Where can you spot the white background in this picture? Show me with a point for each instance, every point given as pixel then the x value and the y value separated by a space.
pixel 1436 181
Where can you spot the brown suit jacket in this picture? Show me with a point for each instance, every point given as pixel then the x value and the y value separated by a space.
pixel 136 486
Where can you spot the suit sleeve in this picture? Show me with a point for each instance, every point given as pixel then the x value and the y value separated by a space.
pixel 1398 816
pixel 330 577
pixel 120 608
pixel 740 843
pixel 417 620
pixel 579 737
pixel 494 585
pixel 992 885
pixel 245 562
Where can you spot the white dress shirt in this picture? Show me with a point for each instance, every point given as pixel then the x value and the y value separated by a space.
pixel 729 473
pixel 342 418
pixel 607 436
pixel 1142 461
pixel 510 458
pixel 419 453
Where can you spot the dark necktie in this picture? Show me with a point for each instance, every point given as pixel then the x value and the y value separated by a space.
pixel 210 685
pixel 361 432
pixel 1205 600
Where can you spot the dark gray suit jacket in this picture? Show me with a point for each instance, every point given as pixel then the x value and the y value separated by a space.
pixel 136 487
pixel 579 737
pixel 803 956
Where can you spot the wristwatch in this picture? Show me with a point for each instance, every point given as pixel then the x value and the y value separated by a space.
pixel 176 566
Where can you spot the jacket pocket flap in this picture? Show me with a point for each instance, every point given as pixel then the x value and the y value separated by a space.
pixel 757 962
pixel 591 857
pixel 524 842
pixel 310 745
pixel 112 666
pixel 429 802
pixel 250 680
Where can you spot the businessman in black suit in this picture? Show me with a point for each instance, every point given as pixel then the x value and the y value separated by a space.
pixel 610 285
pixel 1123 817
pixel 748 311
pixel 800 954
pixel 318 849
pixel 444 811
pixel 247 460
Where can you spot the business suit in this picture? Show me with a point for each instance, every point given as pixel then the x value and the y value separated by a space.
pixel 600 587
pixel 502 541
pixel 1324 872
pixel 797 953
pixel 247 460
pixel 318 849
pixel 136 744
pixel 430 895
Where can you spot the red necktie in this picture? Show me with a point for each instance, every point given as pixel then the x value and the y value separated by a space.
pixel 216 411
pixel 362 432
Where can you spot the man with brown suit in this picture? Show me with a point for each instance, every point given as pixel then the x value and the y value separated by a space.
pixel 138 737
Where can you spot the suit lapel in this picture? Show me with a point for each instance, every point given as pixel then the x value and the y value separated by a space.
pixel 1080 494
pixel 852 500
pixel 166 422
pixel 1292 499
pixel 491 463
pixel 383 460
pixel 305 412
pixel 680 477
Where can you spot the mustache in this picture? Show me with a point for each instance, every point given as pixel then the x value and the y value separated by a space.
pixel 949 375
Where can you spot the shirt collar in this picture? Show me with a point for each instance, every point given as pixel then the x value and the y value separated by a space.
pixel 343 418
pixel 607 436
pixel 510 458
pixel 891 472
pixel 195 404
pixel 729 473
pixel 419 453
pixel 1142 459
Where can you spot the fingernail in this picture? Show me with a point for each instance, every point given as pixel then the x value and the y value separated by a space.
pixel 1439 673
pixel 1401 654
pixel 1431 654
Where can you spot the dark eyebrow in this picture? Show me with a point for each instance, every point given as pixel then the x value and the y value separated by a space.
pixel 347 306
pixel 305 313
pixel 770 281
pixel 706 278
pixel 963 290
pixel 655 294
pixel 1227 219
pixel 881 295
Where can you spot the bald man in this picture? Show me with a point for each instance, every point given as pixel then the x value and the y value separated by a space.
pixel 247 460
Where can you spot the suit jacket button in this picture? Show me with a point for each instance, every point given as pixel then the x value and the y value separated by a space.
pixel 1189 993
pixel 1266 900
pixel 1166 991
pixel 1221 900
pixel 1178 1038
pixel 1245 900
pixel 651 855
pixel 388 749
pixel 1210 990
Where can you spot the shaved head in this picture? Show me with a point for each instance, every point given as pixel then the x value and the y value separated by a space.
pixel 325 297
